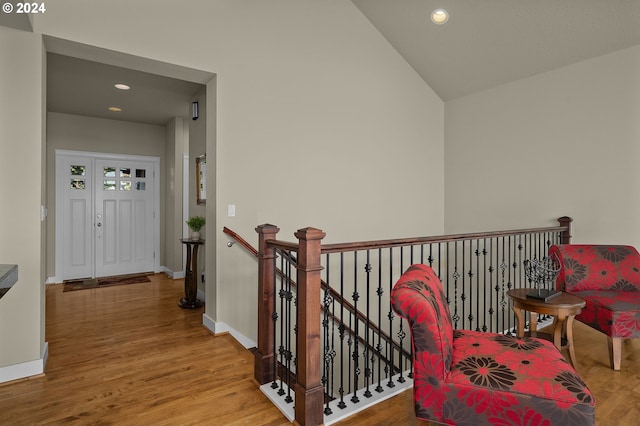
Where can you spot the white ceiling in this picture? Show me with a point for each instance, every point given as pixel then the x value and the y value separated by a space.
pixel 83 87
pixel 487 43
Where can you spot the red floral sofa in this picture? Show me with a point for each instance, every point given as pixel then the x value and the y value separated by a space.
pixel 607 277
pixel 466 377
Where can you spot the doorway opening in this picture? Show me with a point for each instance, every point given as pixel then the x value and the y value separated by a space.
pixel 81 83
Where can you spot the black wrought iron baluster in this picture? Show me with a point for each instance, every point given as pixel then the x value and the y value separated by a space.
pixel 440 266
pixel 333 347
pixel 513 256
pixel 341 330
pixel 520 258
pixel 548 237
pixel 354 327
pixel 401 334
pixel 456 277
pixel 281 347
pixel 503 268
pixel 492 306
pixel 475 287
pixel 390 361
pixel 367 367
pixel 328 354
pixel 379 292
pixel 463 293
pixel 289 329
pixel 274 319
pixel 484 285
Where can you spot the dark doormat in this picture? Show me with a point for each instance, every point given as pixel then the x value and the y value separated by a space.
pixel 85 283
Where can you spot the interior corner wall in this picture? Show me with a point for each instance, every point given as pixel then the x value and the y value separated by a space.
pixel 566 142
pixel 176 144
pixel 331 129
pixel 22 344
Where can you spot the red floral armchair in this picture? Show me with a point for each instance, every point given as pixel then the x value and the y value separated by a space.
pixel 466 377
pixel 607 277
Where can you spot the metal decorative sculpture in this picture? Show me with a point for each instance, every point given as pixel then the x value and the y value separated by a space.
pixel 541 273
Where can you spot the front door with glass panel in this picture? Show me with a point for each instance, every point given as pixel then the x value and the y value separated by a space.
pixel 123 217
pixel 105 216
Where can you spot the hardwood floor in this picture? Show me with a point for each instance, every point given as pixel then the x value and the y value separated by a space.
pixel 129 355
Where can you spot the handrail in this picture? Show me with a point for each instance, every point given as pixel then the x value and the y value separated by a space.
pixel 241 240
pixel 399 242
pixel 350 308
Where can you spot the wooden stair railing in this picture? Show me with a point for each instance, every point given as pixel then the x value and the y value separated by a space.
pixel 325 286
pixel 309 395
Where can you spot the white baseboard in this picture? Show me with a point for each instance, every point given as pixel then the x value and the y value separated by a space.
pixel 173 274
pixel 220 327
pixel 338 414
pixel 25 369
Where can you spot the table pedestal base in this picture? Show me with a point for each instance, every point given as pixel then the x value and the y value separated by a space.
pixel 190 299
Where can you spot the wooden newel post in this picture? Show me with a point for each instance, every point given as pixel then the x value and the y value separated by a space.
pixel 566 235
pixel 264 369
pixel 309 390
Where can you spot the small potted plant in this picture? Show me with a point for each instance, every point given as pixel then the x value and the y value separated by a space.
pixel 195 223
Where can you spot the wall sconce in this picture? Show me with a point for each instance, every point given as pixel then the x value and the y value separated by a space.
pixel 194 110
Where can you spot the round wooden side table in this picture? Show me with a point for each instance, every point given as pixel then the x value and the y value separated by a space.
pixel 563 308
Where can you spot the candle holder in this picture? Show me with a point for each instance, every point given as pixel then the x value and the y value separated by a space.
pixel 542 272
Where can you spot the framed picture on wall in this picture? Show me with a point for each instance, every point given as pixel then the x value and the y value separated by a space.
pixel 201 179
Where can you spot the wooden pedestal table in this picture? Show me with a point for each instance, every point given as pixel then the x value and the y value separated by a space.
pixel 563 308
pixel 190 299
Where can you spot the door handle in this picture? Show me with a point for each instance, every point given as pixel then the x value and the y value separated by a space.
pixel 99 224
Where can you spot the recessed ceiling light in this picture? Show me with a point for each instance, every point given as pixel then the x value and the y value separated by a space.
pixel 115 109
pixel 439 16
pixel 122 86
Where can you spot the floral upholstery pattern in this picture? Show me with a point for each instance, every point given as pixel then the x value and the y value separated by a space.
pixel 607 277
pixel 464 377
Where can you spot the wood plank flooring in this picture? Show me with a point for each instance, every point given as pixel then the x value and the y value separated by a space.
pixel 129 355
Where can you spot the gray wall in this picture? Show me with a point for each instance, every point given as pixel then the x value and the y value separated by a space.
pixel 22 176
pixel 331 129
pixel 566 142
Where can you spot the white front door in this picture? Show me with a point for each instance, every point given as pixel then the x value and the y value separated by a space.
pixel 106 223
pixel 123 217
pixel 74 225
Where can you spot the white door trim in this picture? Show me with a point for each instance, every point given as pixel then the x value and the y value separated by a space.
pixel 59 205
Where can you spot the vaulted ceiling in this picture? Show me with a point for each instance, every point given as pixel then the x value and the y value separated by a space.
pixel 486 43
